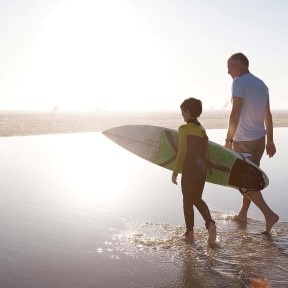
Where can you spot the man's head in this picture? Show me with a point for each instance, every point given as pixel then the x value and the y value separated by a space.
pixel 238 64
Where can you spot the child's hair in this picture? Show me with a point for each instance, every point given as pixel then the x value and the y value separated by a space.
pixel 193 105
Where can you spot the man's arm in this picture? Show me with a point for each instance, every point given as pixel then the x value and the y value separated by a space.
pixel 233 120
pixel 270 146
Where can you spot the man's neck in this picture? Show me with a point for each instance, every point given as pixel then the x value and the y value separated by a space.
pixel 243 72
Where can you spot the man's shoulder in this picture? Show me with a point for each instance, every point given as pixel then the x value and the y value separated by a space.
pixel 249 78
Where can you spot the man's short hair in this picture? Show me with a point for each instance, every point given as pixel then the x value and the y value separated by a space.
pixel 240 57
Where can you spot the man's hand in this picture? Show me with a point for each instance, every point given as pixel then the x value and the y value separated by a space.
pixel 270 149
pixel 228 145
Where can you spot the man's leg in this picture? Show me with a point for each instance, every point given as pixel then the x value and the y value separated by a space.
pixel 270 217
pixel 242 215
pixel 255 149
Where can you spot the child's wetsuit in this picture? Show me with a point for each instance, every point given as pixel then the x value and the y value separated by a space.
pixel 191 160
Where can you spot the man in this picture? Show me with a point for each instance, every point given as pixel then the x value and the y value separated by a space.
pixel 249 117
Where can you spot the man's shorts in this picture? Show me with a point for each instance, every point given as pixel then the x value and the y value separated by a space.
pixel 256 148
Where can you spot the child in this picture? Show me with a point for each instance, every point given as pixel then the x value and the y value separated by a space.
pixel 191 160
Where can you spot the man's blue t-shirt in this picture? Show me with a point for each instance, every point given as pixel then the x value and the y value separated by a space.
pixel 255 95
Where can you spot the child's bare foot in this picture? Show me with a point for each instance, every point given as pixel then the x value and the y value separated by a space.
pixel 188 236
pixel 270 222
pixel 212 233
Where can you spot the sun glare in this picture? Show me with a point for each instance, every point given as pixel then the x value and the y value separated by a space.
pixel 90 56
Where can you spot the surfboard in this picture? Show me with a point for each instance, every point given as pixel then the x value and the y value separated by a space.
pixel 159 146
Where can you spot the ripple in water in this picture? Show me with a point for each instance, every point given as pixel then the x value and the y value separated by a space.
pixel 243 258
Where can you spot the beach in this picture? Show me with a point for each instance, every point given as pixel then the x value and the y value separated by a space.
pixel 78 211
pixel 36 123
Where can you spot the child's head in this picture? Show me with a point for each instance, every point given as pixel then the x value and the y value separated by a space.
pixel 193 105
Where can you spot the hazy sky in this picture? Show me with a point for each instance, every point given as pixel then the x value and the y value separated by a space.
pixel 136 54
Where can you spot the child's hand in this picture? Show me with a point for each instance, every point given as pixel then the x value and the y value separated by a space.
pixel 174 179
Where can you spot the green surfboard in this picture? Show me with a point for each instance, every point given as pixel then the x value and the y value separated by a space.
pixel 159 146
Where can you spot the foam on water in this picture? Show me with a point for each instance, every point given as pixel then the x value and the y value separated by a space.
pixel 241 259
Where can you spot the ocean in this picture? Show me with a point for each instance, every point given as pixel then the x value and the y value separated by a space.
pixel 78 211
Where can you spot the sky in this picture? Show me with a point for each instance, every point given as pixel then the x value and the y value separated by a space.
pixel 136 54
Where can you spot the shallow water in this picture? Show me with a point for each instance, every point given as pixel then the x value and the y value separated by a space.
pixel 79 211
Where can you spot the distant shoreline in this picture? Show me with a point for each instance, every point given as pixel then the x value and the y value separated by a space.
pixel 15 123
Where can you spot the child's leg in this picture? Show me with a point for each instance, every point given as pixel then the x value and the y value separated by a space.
pixel 187 203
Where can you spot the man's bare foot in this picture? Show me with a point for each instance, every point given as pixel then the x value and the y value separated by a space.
pixel 270 222
pixel 240 218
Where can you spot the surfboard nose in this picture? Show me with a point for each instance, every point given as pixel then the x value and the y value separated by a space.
pixel 142 140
